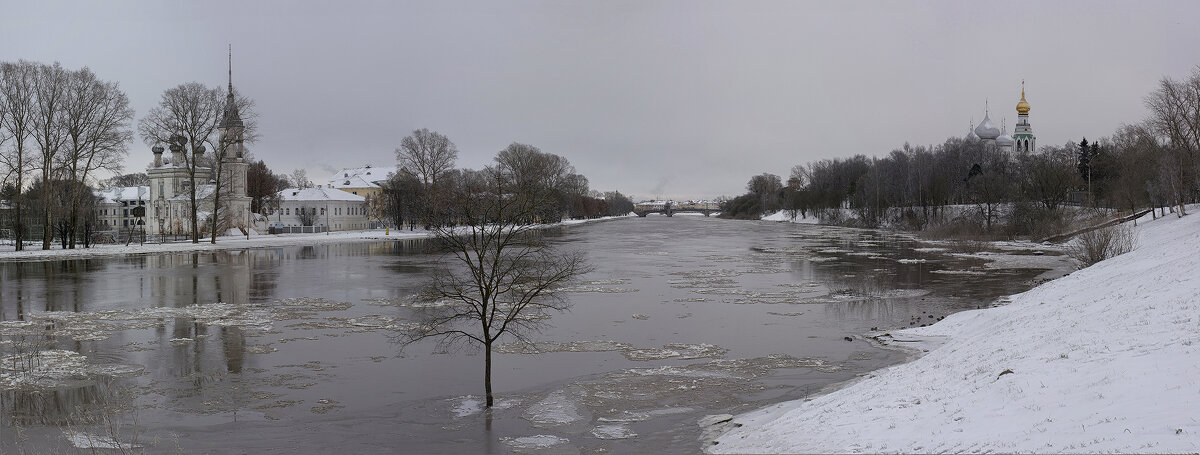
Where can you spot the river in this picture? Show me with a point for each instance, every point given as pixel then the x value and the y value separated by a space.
pixel 681 318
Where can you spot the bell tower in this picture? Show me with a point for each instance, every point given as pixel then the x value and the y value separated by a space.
pixel 233 162
pixel 1023 133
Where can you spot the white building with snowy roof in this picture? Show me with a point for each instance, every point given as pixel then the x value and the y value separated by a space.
pixel 322 208
pixel 370 178
pixel 366 181
pixel 114 209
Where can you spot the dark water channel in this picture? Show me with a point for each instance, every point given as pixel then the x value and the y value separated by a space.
pixel 682 317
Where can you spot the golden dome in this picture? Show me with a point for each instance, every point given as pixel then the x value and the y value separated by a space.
pixel 1023 106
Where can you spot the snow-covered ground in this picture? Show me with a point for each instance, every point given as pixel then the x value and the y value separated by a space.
pixel 34 252
pixel 1106 359
pixel 784 215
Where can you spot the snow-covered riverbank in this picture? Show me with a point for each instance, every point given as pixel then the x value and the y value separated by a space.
pixel 34 253
pixel 1106 359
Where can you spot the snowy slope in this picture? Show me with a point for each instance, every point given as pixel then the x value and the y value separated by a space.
pixel 1105 359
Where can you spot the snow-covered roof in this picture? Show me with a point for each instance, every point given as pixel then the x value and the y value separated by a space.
pixel 318 194
pixel 124 193
pixel 362 177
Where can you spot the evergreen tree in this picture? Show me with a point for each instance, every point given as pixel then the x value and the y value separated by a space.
pixel 1085 159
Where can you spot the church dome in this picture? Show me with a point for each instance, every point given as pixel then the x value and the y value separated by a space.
pixel 1005 140
pixel 986 129
pixel 1023 106
pixel 971 137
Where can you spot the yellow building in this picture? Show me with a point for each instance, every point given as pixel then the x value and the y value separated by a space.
pixel 366 181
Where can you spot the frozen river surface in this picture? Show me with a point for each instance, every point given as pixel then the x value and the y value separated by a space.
pixel 682 318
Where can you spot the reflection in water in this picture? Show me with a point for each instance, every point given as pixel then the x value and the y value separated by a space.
pixel 58 407
pixel 863 310
pixel 181 347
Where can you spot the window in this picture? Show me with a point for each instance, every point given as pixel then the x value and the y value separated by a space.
pixel 322 210
pixel 287 211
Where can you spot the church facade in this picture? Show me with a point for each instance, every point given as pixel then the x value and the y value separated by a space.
pixel 170 185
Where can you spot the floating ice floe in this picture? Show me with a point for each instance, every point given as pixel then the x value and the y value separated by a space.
pixel 673 350
pixel 55 368
pixel 599 289
pixel 569 346
pixel 525 444
pixel 834 251
pixel 613 431
pixel 677 350
pixel 960 272
pixel 930 249
pixel 83 440
pixel 554 410
pixel 469 405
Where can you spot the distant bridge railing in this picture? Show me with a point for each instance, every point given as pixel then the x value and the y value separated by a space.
pixel 670 208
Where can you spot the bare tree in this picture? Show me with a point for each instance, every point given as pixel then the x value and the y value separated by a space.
pixel 534 174
pixel 186 117
pixel 96 116
pixel 17 95
pixel 427 154
pixel 50 93
pixel 134 179
pixel 1048 176
pixel 1136 147
pixel 229 148
pixel 306 215
pixel 299 179
pixel 1175 115
pixel 499 277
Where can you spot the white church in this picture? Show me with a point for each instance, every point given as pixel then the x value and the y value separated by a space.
pixel 169 211
pixel 1022 140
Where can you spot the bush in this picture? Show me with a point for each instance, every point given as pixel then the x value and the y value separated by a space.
pixel 1035 221
pixel 1099 244
pixel 965 235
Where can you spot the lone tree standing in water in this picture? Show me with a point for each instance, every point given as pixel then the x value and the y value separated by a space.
pixel 498 277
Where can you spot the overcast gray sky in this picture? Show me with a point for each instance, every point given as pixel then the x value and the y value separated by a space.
pixel 682 99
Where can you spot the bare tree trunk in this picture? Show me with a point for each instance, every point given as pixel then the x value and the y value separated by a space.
pixel 218 170
pixel 487 373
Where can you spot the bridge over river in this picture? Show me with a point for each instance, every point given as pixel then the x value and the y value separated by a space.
pixel 670 208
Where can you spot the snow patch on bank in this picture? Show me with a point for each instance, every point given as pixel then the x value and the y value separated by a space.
pixel 255 240
pixel 1105 359
pixel 785 216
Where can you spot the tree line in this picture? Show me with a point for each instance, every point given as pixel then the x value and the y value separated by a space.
pixel 58 127
pixel 1149 164
pixel 423 193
